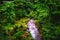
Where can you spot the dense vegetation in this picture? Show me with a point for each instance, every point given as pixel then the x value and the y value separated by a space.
pixel 15 14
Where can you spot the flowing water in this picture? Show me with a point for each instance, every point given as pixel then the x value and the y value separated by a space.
pixel 33 30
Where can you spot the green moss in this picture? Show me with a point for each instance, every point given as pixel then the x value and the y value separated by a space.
pixel 14 16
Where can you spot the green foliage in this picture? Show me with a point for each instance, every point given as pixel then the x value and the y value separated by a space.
pixel 15 14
